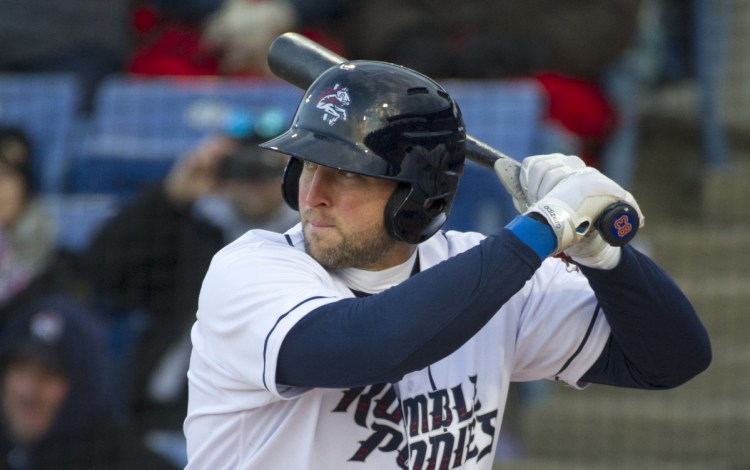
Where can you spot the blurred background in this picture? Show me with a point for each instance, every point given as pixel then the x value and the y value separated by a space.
pixel 123 102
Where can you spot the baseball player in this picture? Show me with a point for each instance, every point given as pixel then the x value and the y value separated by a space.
pixel 366 337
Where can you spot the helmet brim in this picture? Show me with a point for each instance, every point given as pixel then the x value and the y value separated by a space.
pixel 332 152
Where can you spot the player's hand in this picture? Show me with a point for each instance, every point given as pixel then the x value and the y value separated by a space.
pixel 194 175
pixel 594 252
pixel 528 181
pixel 540 173
pixel 571 196
pixel 508 171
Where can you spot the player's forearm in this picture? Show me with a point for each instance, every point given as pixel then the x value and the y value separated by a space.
pixel 657 341
pixel 408 327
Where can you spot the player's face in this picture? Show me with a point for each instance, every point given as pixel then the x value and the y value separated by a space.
pixel 342 218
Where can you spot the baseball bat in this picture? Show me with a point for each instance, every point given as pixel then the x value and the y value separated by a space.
pixel 299 60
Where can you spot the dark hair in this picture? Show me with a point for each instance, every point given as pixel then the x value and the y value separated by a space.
pixel 16 153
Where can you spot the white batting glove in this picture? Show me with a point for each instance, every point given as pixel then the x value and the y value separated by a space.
pixel 594 252
pixel 540 173
pixel 508 171
pixel 528 181
pixel 571 196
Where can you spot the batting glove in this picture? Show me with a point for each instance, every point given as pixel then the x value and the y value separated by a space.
pixel 594 252
pixel 509 172
pixel 540 173
pixel 571 196
pixel 528 181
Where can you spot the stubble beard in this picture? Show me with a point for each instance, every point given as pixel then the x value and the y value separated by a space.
pixel 361 250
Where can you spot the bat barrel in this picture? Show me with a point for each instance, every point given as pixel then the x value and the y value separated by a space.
pixel 300 60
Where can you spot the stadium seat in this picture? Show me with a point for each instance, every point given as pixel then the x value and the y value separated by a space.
pixel 46 107
pixel 139 126
pixel 509 116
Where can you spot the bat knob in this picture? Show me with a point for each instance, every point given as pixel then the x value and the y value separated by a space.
pixel 618 223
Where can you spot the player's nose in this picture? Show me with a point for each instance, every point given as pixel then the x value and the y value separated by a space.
pixel 315 186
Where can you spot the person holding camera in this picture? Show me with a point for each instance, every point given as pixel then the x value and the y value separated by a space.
pixel 151 258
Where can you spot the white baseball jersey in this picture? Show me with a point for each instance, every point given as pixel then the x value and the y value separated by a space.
pixel 448 414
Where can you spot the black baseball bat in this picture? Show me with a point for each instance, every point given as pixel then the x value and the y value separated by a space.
pixel 299 60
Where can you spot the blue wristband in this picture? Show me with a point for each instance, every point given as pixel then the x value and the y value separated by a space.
pixel 537 235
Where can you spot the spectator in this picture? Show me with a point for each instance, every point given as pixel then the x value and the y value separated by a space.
pixel 26 234
pixel 55 412
pixel 89 38
pixel 221 37
pixel 240 33
pixel 29 262
pixel 152 257
pixel 167 38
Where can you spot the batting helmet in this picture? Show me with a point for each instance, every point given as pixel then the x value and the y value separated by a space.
pixel 387 121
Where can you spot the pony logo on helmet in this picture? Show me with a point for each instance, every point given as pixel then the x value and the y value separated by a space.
pixel 333 101
pixel 385 121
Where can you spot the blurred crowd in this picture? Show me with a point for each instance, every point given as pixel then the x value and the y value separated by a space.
pixel 593 59
pixel 137 284
pixel 70 399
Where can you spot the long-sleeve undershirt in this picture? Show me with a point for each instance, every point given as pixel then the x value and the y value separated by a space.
pixel 657 340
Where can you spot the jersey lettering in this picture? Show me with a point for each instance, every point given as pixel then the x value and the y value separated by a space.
pixel 443 428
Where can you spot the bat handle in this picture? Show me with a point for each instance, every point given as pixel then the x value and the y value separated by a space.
pixel 618 223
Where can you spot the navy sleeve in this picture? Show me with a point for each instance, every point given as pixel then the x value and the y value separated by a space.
pixel 376 339
pixel 657 340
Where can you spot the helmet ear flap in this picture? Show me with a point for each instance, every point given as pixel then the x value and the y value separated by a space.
pixel 394 211
pixel 408 220
pixel 290 182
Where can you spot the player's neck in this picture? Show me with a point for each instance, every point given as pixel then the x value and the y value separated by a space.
pixel 376 281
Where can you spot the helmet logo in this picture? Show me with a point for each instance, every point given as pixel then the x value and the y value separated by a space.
pixel 332 101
